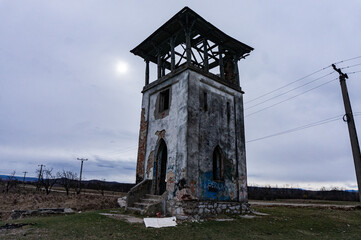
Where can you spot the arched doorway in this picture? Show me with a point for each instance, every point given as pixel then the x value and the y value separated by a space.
pixel 161 168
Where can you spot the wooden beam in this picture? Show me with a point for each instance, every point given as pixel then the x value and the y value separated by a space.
pixel 221 66
pixel 172 54
pixel 205 56
pixel 159 66
pixel 236 70
pixel 146 72
pixel 188 46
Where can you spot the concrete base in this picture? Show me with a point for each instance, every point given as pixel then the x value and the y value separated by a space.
pixel 204 209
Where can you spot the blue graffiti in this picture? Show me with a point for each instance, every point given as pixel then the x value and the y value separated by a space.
pixel 212 187
pixel 212 190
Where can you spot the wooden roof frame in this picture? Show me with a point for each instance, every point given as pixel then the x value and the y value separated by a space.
pixel 175 29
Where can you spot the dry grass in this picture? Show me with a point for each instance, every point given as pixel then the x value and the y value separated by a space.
pixel 281 223
pixel 28 199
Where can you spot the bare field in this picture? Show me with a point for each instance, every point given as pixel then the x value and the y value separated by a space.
pixel 30 199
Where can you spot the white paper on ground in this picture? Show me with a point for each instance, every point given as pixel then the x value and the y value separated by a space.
pixel 160 222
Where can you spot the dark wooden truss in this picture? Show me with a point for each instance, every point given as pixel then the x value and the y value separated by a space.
pixel 188 39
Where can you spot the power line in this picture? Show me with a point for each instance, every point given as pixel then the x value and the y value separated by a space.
pixel 347 60
pixel 24 176
pixel 288 84
pixel 297 80
pixel 350 66
pixel 328 120
pixel 353 72
pixel 292 97
pixel 291 90
pixel 81 171
pixel 348 117
pixel 40 175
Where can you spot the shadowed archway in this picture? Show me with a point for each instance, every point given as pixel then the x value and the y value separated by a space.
pixel 160 166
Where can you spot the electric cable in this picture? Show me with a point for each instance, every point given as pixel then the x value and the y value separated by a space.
pixel 291 90
pixel 347 60
pixel 297 80
pixel 314 124
pixel 350 66
pixel 353 72
pixel 275 104
pixel 288 84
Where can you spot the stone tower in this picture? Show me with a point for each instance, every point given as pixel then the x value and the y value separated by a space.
pixel 191 138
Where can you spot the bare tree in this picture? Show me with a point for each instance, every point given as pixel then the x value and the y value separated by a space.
pixel 47 180
pixel 100 186
pixel 67 179
pixel 9 183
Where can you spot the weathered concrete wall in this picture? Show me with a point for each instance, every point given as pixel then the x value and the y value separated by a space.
pixel 219 122
pixel 241 150
pixel 191 132
pixel 172 127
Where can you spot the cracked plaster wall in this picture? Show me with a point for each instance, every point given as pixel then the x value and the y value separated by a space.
pixel 172 127
pixel 211 127
pixel 191 134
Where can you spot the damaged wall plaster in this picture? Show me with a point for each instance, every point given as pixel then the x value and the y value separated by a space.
pixel 202 114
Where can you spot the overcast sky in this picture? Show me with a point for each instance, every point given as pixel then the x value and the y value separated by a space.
pixel 70 88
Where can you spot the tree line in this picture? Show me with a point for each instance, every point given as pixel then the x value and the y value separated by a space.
pixel 68 180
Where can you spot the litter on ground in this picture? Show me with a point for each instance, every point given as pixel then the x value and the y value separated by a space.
pixel 160 222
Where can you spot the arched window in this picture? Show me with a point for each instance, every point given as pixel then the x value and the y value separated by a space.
pixel 217 164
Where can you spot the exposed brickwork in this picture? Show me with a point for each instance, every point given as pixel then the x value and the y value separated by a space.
pixel 150 164
pixel 141 147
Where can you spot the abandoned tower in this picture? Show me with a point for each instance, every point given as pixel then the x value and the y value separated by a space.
pixel 191 156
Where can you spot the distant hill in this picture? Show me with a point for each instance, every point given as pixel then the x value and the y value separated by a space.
pixel 27 179
pixel 91 184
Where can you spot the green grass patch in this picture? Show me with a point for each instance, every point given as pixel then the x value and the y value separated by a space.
pixel 282 223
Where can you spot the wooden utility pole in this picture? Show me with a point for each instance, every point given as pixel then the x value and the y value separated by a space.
pixel 40 174
pixel 348 117
pixel 81 171
pixel 24 176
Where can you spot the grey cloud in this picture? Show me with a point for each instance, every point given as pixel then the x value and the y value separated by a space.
pixel 60 97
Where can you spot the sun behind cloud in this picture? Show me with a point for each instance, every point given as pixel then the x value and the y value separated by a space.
pixel 121 67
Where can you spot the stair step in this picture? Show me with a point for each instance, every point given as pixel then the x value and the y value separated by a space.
pixel 149 200
pixel 135 209
pixel 155 197
pixel 141 205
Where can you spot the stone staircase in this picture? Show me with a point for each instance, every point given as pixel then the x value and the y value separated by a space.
pixel 148 203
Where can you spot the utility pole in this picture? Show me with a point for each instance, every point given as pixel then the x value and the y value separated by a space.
pixel 81 171
pixel 40 174
pixel 348 117
pixel 24 176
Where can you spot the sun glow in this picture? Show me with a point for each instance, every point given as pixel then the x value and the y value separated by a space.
pixel 121 67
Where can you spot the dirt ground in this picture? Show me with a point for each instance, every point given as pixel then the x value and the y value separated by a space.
pixel 29 200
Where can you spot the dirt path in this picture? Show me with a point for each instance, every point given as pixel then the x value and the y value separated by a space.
pixel 310 205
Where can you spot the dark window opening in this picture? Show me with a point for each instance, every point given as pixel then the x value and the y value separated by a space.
pixel 164 101
pixel 205 102
pixel 217 164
